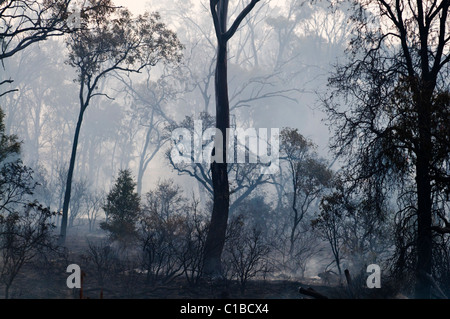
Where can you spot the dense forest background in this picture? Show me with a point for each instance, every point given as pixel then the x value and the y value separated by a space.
pixel 358 91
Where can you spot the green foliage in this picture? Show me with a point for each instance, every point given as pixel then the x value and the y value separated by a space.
pixel 112 39
pixel 122 209
pixel 25 22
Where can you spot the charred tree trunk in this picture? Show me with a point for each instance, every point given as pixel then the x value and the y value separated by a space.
pixel 219 219
pixel 65 212
pixel 424 201
pixel 84 103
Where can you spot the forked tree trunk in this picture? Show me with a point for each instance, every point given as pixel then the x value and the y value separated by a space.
pixel 219 219
pixel 215 240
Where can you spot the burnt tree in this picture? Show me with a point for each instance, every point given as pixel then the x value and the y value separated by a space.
pixel 219 219
pixel 395 88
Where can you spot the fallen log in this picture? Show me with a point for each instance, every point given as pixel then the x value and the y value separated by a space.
pixel 311 293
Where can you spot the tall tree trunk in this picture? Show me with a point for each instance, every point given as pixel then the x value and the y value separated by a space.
pixel 424 204
pixel 215 239
pixel 424 235
pixel 219 219
pixel 295 224
pixel 65 213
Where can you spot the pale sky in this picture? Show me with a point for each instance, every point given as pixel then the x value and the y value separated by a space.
pixel 136 6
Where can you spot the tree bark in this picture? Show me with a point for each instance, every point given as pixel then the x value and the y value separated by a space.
pixel 424 203
pixel 219 219
pixel 65 213
pixel 215 239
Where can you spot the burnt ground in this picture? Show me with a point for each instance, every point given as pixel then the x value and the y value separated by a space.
pixel 46 279
pixel 36 286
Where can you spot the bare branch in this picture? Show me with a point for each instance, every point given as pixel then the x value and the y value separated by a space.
pixel 229 34
pixel 7 92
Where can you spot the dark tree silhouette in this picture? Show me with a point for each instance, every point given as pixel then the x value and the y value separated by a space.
pixel 216 235
pixel 111 40
pixel 24 233
pixel 25 22
pixel 246 177
pixel 122 209
pixel 396 90
pixel 308 175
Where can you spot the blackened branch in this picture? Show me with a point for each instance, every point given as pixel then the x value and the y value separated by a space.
pixel 229 34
